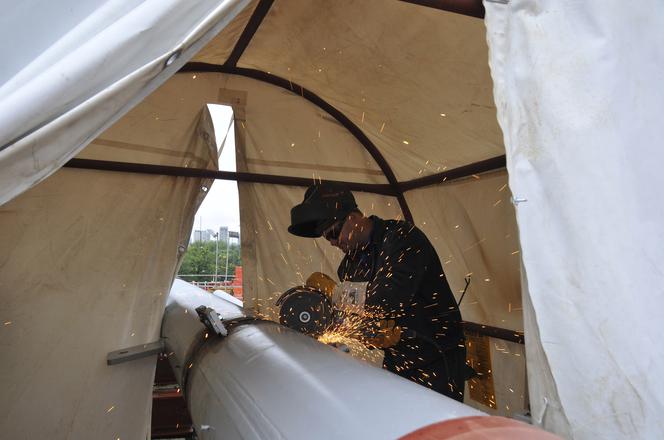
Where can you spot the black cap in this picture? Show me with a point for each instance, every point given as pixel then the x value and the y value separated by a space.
pixel 323 205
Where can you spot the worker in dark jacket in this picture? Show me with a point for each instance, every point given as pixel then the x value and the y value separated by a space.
pixel 414 315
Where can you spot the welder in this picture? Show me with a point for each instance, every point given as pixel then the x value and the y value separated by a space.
pixel 411 312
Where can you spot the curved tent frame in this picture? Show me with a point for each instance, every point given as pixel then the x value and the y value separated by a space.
pixel 472 8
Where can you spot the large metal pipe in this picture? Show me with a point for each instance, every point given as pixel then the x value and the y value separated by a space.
pixel 264 381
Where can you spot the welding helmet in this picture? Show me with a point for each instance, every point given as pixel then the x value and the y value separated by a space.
pixel 323 205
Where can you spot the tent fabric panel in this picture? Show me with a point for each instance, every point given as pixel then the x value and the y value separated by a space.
pixel 221 46
pixel 576 85
pixel 350 54
pixel 285 134
pixel 545 406
pixel 85 91
pixel 473 228
pixel 88 261
pixel 162 128
pixel 508 367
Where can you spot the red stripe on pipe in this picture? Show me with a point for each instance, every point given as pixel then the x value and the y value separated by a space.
pixel 480 428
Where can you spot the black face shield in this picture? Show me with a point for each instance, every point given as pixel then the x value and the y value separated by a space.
pixel 323 205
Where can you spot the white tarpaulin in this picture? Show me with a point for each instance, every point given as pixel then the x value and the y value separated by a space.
pixel 85 66
pixel 579 97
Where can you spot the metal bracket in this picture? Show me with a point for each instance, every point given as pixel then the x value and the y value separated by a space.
pixel 135 352
pixel 211 320
pixel 516 200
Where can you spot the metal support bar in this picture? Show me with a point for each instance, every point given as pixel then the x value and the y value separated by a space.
pixel 135 352
pixel 141 168
pixel 250 29
pixel 495 163
pixel 471 8
pixel 374 188
pixel 494 332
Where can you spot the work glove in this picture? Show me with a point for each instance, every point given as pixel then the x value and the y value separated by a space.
pixel 322 283
pixel 387 335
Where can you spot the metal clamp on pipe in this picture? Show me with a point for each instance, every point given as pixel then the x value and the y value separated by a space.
pixel 211 320
pixel 217 325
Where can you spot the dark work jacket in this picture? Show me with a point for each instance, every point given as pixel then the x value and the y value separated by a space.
pixel 407 284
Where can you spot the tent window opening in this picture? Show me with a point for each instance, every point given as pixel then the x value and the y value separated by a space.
pixel 213 260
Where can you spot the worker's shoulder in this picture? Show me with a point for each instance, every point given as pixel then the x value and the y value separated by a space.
pixel 403 231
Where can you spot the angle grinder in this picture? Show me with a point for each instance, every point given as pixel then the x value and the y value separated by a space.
pixel 306 309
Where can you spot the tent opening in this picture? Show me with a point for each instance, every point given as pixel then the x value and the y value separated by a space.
pixel 213 260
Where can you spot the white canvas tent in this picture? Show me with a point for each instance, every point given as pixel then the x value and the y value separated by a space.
pixel 395 98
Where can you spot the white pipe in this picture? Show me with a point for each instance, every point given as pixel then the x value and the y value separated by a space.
pixel 264 381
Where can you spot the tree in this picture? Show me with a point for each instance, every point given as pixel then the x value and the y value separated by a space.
pixel 199 260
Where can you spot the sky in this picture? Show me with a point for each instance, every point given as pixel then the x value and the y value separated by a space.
pixel 221 205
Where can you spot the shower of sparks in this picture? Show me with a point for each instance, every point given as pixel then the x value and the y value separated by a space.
pixel 349 332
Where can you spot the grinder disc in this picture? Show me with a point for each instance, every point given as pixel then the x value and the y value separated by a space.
pixel 306 310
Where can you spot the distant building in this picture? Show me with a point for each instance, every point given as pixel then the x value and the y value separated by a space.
pixel 203 236
pixel 223 234
pixel 209 235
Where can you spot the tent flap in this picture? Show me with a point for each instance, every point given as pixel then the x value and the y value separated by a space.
pixel 576 85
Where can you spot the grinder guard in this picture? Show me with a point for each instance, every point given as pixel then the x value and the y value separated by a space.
pixel 306 310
